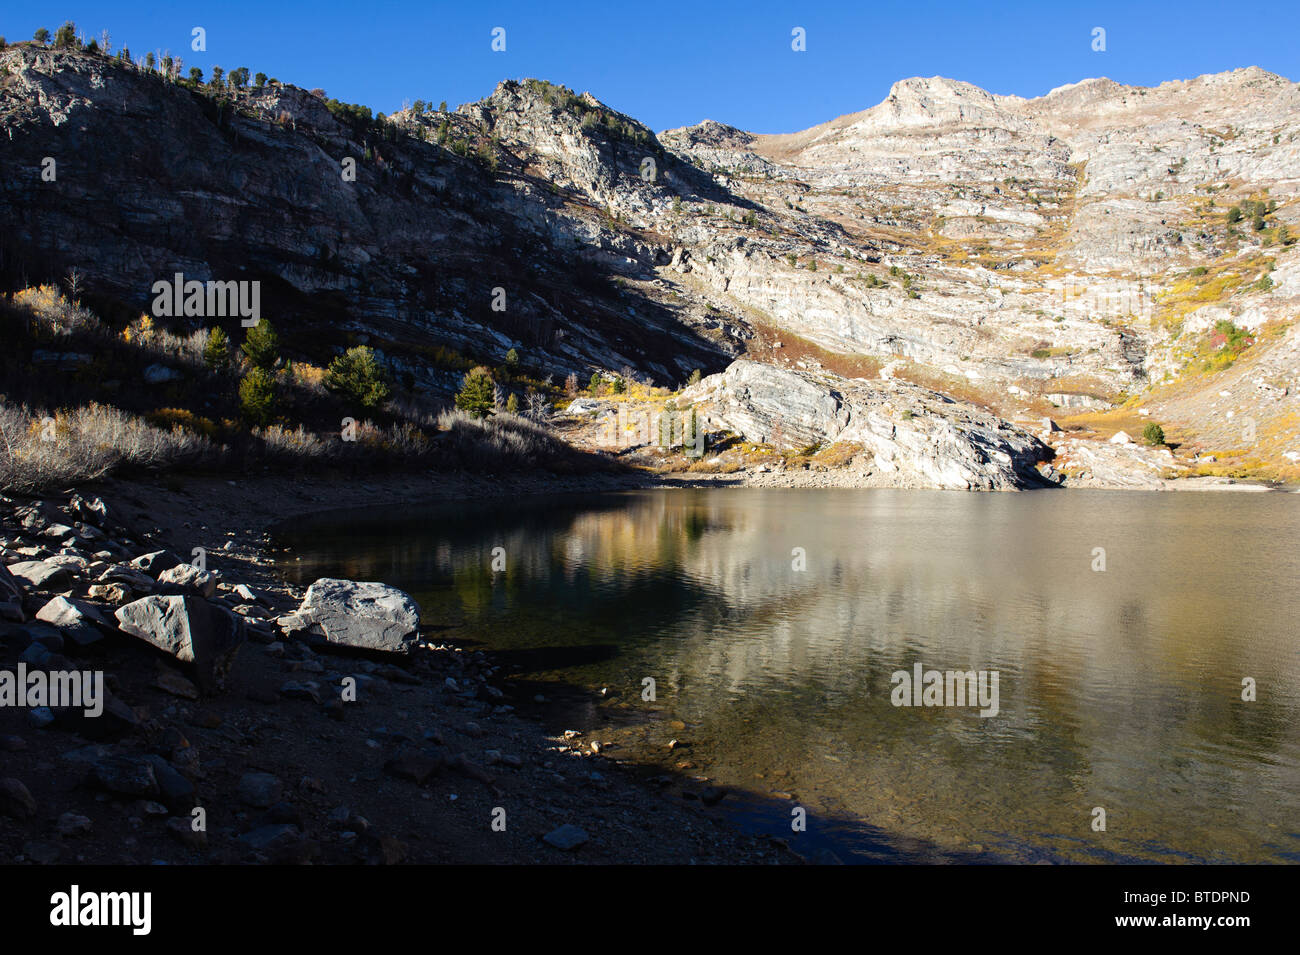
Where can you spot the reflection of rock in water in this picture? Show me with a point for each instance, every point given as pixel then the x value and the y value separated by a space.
pixel 1112 684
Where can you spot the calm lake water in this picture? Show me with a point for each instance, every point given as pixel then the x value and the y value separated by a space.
pixel 1119 689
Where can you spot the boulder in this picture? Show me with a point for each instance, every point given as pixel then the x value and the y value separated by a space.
pixel 157 374
pixel 187 577
pixel 75 619
pixel 366 615
pixel 190 629
pixel 40 575
pixel 912 436
pixel 11 597
pixel 156 562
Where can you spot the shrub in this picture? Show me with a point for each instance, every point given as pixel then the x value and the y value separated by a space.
pixel 40 450
pixel 512 404
pixel 257 397
pixel 1234 215
pixel 359 377
pixel 41 36
pixel 259 80
pixel 620 386
pixel 216 352
pixel 695 378
pixel 262 345
pixel 196 75
pixel 1153 434
pixel 475 397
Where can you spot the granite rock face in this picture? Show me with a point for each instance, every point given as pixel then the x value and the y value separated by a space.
pixel 918 437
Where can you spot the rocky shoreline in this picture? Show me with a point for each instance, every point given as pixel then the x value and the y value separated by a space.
pixel 249 718
pixel 295 749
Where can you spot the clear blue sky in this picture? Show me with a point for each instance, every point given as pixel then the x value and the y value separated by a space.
pixel 670 65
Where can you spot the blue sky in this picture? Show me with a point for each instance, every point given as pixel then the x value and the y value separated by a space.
pixel 670 64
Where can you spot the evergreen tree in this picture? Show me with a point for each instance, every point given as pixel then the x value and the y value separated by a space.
pixel 475 395
pixel 262 345
pixel 257 397
pixel 512 404
pixel 65 37
pixel 41 36
pixel 358 376
pixel 216 353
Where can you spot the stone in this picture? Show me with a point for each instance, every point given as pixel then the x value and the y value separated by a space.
pixel 181 828
pixel 16 800
pixel 259 790
pixel 155 562
pixel 40 575
pixel 416 765
pixel 173 787
pixel 1120 437
pixel 11 591
pixel 306 690
pixel 124 775
pixel 566 838
pixel 188 578
pixel 71 824
pixel 110 593
pixel 190 629
pixel 364 615
pixel 136 580
pixel 77 620
pixel 157 374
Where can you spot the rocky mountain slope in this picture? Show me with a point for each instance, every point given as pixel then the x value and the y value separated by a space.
pixel 1104 255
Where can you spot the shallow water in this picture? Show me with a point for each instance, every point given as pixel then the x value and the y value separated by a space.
pixel 1119 689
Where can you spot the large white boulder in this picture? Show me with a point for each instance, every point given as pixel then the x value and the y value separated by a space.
pixel 363 614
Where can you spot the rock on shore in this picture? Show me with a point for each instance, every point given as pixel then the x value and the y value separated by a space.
pixel 366 615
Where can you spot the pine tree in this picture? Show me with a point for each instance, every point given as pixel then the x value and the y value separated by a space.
pixel 262 345
pixel 475 395
pixel 216 353
pixel 257 397
pixel 512 404
pixel 41 36
pixel 358 376
pixel 65 37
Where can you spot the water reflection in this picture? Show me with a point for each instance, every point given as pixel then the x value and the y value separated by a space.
pixel 1119 689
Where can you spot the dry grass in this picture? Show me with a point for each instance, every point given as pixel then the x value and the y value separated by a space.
pixel 40 450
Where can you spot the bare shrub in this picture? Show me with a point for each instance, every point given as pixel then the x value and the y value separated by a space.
pixel 40 450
